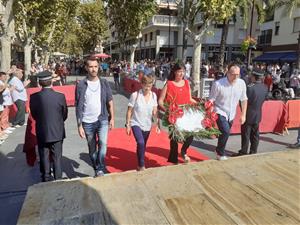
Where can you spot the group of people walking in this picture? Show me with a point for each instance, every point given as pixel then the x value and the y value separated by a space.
pixel 95 114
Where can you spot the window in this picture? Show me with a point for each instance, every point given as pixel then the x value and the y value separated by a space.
pixel 175 37
pixel 151 36
pixel 277 25
pixel 145 37
pixel 296 25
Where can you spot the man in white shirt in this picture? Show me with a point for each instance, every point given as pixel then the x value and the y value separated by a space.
pixel 226 94
pixel 19 96
pixel 95 115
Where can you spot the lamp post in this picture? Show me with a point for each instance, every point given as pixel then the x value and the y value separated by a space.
pixel 249 52
pixel 169 41
pixel 298 55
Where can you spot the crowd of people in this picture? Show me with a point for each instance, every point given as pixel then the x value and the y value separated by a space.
pixel 12 92
pixel 233 86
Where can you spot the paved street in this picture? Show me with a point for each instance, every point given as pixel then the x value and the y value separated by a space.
pixel 16 176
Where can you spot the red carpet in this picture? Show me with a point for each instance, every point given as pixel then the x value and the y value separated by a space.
pixel 121 152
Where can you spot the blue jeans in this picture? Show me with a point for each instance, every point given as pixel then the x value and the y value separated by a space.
pixel 141 138
pixel 224 126
pixel 94 132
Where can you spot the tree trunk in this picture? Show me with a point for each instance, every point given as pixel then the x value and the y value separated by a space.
pixel 196 69
pixel 298 59
pixel 36 57
pixel 132 51
pixel 27 59
pixel 5 53
pixel 223 43
pixel 47 57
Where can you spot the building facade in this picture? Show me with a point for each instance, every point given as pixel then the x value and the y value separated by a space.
pixel 279 37
pixel 163 38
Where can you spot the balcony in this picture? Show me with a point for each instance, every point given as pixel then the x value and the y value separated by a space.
pixel 163 20
pixel 263 40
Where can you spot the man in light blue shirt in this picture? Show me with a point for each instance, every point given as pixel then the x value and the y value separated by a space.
pixel 19 96
pixel 226 94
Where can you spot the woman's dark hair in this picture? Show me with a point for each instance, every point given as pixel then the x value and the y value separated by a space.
pixel 177 66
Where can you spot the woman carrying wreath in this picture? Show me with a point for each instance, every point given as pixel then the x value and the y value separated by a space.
pixel 177 92
pixel 142 108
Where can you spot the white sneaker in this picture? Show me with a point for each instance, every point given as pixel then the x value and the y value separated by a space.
pixel 10 128
pixel 17 126
pixel 222 158
pixel 7 131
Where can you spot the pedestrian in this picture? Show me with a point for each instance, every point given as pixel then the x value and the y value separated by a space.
pixel 5 102
pixel 49 110
pixel 95 114
pixel 116 73
pixel 226 94
pixel 19 96
pixel 142 108
pixel 257 92
pixel 177 91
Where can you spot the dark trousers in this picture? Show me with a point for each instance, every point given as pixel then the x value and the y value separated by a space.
pixel 141 138
pixel 250 132
pixel 173 155
pixel 20 115
pixel 48 152
pixel 224 126
pixel 117 82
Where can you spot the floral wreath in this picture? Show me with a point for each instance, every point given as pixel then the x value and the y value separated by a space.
pixel 174 112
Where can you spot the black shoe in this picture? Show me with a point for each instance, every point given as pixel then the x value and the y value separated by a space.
pixel 295 146
pixel 238 154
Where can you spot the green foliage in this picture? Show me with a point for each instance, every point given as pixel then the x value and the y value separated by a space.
pixel 209 10
pixel 129 17
pixel 36 20
pixel 92 24
pixel 289 6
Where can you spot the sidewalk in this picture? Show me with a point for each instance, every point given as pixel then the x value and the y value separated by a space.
pixel 16 176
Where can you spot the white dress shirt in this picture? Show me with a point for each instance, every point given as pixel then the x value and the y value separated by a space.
pixel 226 96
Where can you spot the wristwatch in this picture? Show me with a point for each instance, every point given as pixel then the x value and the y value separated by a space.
pixel 127 125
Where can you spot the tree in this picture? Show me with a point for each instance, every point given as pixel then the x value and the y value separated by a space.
pixel 6 33
pixel 36 22
pixel 92 25
pixel 59 29
pixel 129 18
pixel 208 11
pixel 241 9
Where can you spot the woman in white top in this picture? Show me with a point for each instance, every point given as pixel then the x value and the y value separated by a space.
pixel 142 108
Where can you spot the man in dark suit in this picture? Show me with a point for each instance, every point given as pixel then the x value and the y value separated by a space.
pixel 49 109
pixel 257 93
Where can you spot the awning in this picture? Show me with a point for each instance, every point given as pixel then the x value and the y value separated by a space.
pixel 270 57
pixel 289 57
